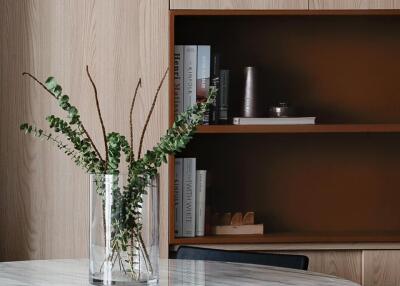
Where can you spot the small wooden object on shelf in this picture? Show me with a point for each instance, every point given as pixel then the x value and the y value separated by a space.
pixel 237 224
pixel 248 218
pixel 237 219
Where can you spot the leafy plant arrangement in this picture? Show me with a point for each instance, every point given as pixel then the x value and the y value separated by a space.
pixel 79 146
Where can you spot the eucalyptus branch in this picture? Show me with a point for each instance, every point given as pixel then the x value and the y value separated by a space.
pixel 55 91
pixel 150 112
pixel 81 145
pixel 92 143
pixel 146 254
pixel 139 84
pixel 99 113
pixel 117 143
pixel 177 137
pixel 39 133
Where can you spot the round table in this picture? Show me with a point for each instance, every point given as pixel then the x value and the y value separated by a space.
pixel 74 272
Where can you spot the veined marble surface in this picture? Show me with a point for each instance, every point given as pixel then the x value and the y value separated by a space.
pixel 172 272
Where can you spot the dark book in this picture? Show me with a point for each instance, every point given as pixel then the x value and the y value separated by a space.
pixel 215 73
pixel 223 100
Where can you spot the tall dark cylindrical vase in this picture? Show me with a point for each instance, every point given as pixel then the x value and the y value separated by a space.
pixel 252 106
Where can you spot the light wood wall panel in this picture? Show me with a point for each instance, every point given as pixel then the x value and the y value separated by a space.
pixel 239 4
pixel 353 4
pixel 44 196
pixel 381 268
pixel 342 263
pixel 377 265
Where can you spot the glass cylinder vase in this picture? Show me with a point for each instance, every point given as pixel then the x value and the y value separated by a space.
pixel 124 230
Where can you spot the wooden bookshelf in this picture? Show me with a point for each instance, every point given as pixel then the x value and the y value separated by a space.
pixel 333 182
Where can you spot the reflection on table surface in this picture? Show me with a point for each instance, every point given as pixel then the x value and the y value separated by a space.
pixel 74 272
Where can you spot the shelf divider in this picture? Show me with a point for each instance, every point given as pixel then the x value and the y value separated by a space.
pixel 319 237
pixel 318 128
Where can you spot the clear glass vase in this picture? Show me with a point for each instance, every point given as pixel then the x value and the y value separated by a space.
pixel 124 230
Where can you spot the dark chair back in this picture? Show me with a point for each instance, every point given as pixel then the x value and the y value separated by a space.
pixel 279 260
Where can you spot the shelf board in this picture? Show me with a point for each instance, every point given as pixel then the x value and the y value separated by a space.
pixel 318 128
pixel 351 237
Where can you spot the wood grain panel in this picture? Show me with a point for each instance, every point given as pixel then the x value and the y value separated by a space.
pixel 381 268
pixel 340 263
pixel 239 4
pixel 44 197
pixel 353 4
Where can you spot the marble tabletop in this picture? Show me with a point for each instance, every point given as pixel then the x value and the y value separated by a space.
pixel 172 272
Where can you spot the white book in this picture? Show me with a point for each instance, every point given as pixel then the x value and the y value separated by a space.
pixel 178 78
pixel 189 197
pixel 274 121
pixel 200 201
pixel 203 72
pixel 178 197
pixel 203 76
pixel 189 76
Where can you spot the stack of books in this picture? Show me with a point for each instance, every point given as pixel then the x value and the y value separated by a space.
pixel 194 72
pixel 190 198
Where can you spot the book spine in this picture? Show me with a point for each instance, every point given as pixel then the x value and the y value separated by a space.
pixel 189 76
pixel 215 74
pixel 200 201
pixel 189 196
pixel 224 96
pixel 203 76
pixel 178 79
pixel 178 196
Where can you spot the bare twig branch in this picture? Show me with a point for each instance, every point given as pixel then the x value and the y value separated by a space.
pixel 100 117
pixel 39 82
pixel 81 124
pixel 150 112
pixel 91 142
pixel 131 113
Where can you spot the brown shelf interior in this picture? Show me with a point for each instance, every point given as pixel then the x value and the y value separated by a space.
pixel 333 182
pixel 304 182
pixel 342 69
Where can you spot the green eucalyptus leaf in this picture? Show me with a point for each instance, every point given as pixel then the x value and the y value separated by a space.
pixel 64 98
pixel 74 120
pixel 50 83
pixel 23 126
pixel 72 112
pixel 57 90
